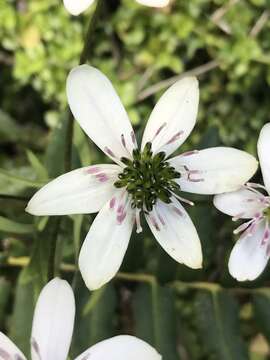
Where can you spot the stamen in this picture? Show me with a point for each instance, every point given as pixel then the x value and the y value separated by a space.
pixel 177 211
pixel 138 221
pixel 133 138
pixel 184 200
pixel 175 137
pixel 256 186
pixel 266 234
pixel 35 347
pixel 159 130
pixel 93 170
pixel 109 151
pixel 154 222
pixel 102 177
pixel 189 153
pixel 121 217
pixel 190 173
pixel 238 216
pixel 18 357
pixel 123 141
pixel 268 250
pixel 112 202
pixel 243 227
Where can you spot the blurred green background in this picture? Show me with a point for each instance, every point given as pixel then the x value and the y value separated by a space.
pixel 185 314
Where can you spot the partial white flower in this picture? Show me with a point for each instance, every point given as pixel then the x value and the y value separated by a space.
pixel 76 7
pixel 252 203
pixel 53 327
pixel 144 181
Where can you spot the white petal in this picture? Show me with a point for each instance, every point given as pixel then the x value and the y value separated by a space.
pixel 121 347
pixel 8 350
pixel 53 322
pixel 76 7
pixel 175 232
pixel 264 154
pixel 80 191
pixel 216 170
pixel 242 203
pixel 249 257
pixel 173 117
pixel 154 3
pixel 106 242
pixel 99 111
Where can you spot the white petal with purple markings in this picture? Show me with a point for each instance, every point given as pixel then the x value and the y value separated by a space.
pixel 249 255
pixel 53 322
pixel 106 242
pixel 121 347
pixel 80 191
pixel 214 170
pixel 173 117
pixel 175 232
pixel 242 204
pixel 8 350
pixel 99 111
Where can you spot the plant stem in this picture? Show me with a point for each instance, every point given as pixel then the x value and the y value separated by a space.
pixel 88 43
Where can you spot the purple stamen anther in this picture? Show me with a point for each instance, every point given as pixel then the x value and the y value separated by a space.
pixel 109 151
pixel 159 129
pixel 93 170
pixel 161 220
pixel 175 137
pixel 177 211
pixel 268 250
pixel 189 153
pixel 123 141
pixel 133 137
pixel 102 177
pixel 112 203
pixel 154 222
pixel 121 217
pixel 120 209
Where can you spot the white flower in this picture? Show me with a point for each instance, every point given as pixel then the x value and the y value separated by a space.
pixel 76 7
pixel 143 181
pixel 251 252
pixel 53 327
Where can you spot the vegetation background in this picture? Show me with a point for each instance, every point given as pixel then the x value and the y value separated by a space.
pixel 185 314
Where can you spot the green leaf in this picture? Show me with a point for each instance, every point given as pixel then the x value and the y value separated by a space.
pixel 261 306
pixel 20 180
pixel 13 227
pixel 5 289
pixel 155 318
pixel 21 321
pixel 218 325
pixel 9 130
pixel 37 165
pixel 94 316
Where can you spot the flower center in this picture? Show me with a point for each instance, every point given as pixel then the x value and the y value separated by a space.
pixel 148 178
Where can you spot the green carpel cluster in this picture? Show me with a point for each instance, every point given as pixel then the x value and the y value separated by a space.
pixel 148 178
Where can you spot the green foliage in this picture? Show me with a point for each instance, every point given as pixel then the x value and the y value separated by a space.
pixel 217 318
